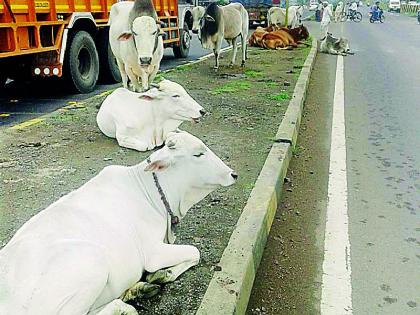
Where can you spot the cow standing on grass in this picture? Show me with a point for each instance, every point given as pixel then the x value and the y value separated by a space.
pixel 86 252
pixel 136 41
pixel 228 22
pixel 277 16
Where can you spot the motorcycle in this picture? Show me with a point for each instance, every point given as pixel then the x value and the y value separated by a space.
pixel 379 16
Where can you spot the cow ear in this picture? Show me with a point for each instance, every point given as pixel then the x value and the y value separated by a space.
pixel 125 36
pixel 156 166
pixel 209 18
pixel 152 94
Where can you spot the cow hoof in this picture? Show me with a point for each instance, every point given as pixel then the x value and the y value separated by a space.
pixel 141 290
pixel 231 65
pixel 243 64
pixel 150 290
pixel 160 276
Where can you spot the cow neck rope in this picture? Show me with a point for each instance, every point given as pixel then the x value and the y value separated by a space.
pixel 174 218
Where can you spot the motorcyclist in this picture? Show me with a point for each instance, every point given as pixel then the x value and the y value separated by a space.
pixel 376 10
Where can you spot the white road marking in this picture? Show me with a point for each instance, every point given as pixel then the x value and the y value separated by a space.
pixel 336 278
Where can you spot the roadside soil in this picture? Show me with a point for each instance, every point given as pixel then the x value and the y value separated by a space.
pixel 41 163
pixel 289 276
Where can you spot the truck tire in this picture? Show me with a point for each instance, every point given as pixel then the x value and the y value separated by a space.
pixel 183 49
pixel 108 69
pixel 82 62
pixel 3 80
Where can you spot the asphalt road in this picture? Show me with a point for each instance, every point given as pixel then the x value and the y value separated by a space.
pixel 382 133
pixel 20 102
pixel 381 160
pixel 382 116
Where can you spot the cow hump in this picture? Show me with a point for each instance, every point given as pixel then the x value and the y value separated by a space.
pixel 210 27
pixel 142 8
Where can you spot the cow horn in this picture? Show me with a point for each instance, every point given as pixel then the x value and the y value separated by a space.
pixel 162 33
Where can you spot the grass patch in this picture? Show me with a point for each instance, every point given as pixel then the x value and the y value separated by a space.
pixel 253 74
pixel 308 42
pixel 310 18
pixel 232 87
pixel 282 96
pixel 159 77
pixel 184 68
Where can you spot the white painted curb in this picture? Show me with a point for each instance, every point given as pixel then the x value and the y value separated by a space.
pixel 230 288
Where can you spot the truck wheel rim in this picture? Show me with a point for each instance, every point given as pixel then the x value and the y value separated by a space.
pixel 84 63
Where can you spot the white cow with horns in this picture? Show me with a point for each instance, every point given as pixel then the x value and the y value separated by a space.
pixel 142 121
pixel 136 41
pixel 85 253
pixel 277 16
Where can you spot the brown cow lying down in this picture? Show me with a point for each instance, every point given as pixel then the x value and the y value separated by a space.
pixel 256 37
pixel 273 37
pixel 278 40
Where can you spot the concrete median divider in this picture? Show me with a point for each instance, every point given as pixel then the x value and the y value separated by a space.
pixel 289 126
pixel 231 285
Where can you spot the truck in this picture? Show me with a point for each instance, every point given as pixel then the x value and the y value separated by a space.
pixel 258 9
pixel 69 39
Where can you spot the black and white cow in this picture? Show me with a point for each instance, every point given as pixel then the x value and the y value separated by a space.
pixel 228 22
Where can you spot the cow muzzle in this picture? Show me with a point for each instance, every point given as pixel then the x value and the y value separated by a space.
pixel 196 120
pixel 146 61
pixel 195 31
pixel 231 179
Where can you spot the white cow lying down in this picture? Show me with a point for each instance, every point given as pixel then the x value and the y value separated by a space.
pixel 142 121
pixel 81 254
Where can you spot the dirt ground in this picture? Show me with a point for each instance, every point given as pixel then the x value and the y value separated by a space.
pixel 289 277
pixel 41 163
